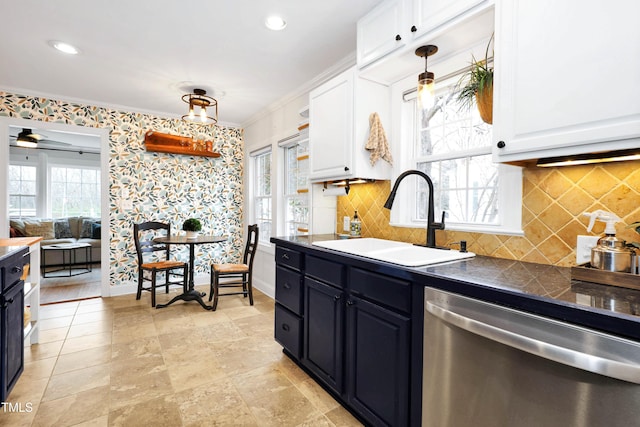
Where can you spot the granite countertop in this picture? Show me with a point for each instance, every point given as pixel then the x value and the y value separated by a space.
pixel 535 284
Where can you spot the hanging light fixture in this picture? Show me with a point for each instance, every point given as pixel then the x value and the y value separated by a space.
pixel 426 98
pixel 199 100
pixel 27 139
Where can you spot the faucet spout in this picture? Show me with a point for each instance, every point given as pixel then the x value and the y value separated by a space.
pixel 432 226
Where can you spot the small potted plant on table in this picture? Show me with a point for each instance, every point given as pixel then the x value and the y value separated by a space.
pixel 192 226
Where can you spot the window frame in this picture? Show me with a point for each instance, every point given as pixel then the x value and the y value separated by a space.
pixel 53 164
pixel 35 195
pixel 287 195
pixel 257 196
pixel 402 214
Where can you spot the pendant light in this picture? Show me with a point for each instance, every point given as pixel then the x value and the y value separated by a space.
pixel 426 97
pixel 199 100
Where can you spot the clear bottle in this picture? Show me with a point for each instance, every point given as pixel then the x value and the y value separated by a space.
pixel 356 225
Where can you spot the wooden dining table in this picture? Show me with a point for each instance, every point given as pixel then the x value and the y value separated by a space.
pixel 191 294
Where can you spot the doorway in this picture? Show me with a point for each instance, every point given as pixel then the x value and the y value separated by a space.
pixel 61 137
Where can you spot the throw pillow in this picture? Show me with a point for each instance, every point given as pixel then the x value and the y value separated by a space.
pixel 96 231
pixel 62 229
pixel 19 226
pixel 13 232
pixel 43 228
pixel 85 230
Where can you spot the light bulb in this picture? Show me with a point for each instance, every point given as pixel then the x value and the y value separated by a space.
pixel 192 115
pixel 203 114
pixel 426 98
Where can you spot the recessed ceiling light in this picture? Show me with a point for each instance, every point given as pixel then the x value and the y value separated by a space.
pixel 275 23
pixel 64 47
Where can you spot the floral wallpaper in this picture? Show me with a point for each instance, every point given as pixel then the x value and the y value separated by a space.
pixel 162 187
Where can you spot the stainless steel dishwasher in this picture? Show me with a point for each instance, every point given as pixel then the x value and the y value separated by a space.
pixel 488 365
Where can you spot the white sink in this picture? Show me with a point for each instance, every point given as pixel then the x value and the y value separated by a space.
pixel 395 252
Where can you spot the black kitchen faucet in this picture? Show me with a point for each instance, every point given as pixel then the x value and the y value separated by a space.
pixel 432 226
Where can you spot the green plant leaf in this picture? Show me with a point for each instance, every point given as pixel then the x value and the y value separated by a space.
pixel 478 79
pixel 192 224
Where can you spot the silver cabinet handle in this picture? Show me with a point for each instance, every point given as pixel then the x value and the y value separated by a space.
pixel 519 329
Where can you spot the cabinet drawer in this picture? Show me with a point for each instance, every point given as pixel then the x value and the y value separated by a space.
pixel 13 267
pixel 327 271
pixel 288 257
pixel 383 289
pixel 287 330
pixel 289 289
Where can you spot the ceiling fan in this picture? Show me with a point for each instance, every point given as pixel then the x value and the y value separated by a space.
pixel 28 139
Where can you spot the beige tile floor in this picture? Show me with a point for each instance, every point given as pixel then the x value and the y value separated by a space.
pixel 119 362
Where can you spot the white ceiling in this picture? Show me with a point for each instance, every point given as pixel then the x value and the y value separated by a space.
pixel 143 55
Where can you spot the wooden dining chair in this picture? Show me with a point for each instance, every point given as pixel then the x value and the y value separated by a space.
pixel 239 275
pixel 154 258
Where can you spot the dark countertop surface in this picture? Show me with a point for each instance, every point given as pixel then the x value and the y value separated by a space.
pixel 545 289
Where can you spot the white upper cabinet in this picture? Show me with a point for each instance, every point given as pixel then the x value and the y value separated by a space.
pixel 380 32
pixel 567 78
pixel 339 128
pixel 427 15
pixel 395 24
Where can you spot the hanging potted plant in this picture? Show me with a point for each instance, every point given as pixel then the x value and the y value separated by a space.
pixel 477 85
pixel 192 226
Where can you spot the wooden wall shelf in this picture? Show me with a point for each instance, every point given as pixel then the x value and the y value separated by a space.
pixel 176 144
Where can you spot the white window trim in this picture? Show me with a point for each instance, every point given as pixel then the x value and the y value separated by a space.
pixel 404 131
pixel 285 144
pixel 265 244
pixel 31 165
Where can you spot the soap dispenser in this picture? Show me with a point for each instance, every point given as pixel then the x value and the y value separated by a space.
pixel 356 225
pixel 611 253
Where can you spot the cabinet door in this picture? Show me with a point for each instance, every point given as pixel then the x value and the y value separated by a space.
pixel 570 88
pixel 331 127
pixel 378 362
pixel 428 15
pixel 380 32
pixel 323 332
pixel 11 347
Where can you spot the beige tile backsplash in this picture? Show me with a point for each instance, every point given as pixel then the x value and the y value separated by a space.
pixel 553 200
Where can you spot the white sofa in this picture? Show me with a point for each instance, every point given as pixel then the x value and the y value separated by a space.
pixel 61 230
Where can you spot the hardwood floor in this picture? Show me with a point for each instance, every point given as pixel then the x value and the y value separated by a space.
pixel 82 286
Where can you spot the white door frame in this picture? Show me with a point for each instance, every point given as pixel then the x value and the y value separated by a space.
pixel 103 134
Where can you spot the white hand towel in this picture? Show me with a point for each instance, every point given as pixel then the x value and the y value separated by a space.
pixel 377 142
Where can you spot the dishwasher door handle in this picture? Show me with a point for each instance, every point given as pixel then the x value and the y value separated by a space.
pixel 619 369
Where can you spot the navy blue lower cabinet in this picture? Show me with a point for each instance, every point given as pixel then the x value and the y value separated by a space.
pixel 378 360
pixel 323 332
pixel 11 337
pixel 360 336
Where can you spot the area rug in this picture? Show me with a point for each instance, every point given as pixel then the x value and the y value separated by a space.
pixel 64 289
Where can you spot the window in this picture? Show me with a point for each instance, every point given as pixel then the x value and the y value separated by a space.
pixel 262 193
pixel 22 191
pixel 453 146
pixel 296 189
pixel 75 191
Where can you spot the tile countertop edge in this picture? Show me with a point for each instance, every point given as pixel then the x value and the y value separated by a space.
pixel 537 288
